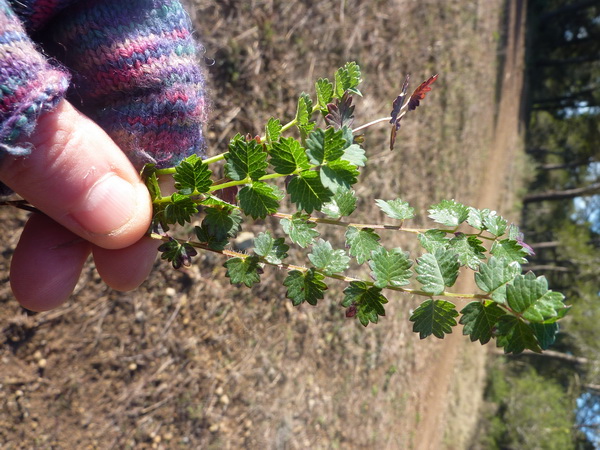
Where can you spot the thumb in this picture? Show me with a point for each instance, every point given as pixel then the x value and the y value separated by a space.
pixel 79 177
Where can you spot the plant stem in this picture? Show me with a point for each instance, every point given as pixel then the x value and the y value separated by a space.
pixel 290 267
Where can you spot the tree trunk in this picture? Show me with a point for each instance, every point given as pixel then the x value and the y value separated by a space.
pixel 570 165
pixel 563 195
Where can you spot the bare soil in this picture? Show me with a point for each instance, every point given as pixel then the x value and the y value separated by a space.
pixel 189 361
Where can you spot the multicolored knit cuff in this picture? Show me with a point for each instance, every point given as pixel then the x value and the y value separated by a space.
pixel 136 73
pixel 29 85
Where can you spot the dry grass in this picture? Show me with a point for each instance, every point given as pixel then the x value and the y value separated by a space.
pixel 188 360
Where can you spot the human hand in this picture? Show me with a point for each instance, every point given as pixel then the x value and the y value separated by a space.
pixel 94 202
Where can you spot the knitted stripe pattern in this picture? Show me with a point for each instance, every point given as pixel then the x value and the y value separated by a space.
pixel 134 70
pixel 136 73
pixel 29 85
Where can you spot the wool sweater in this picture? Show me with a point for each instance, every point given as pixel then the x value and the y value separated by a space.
pixel 131 66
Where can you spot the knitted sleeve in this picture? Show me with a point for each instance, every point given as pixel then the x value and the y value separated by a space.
pixel 136 73
pixel 29 85
pixel 133 65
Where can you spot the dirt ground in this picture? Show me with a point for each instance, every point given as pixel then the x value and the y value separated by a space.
pixel 189 361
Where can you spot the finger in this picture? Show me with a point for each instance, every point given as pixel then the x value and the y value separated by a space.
pixel 79 177
pixel 125 269
pixel 46 264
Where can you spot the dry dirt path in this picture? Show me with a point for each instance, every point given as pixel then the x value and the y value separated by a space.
pixel 447 402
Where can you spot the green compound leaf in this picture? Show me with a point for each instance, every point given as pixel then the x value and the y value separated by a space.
pixel 272 250
pixel 342 204
pixel 434 317
pixel 479 320
pixel 299 230
pixel 449 213
pixel 390 268
pixel 437 270
pixel 396 209
pixel 530 297
pixel 245 159
pixel 545 333
pixel 368 302
pixel 307 191
pixel 303 113
pixel 514 335
pixel 273 130
pixel 361 241
pixel 287 156
pixel 192 176
pixel 325 145
pixel 259 199
pixel 338 174
pixel 176 253
pixel 305 287
pixel 180 210
pixel 324 89
pixel 431 240
pixel 509 249
pixel 347 78
pixel 469 250
pixel 244 270
pixel 148 174
pixel 325 258
pixel 494 275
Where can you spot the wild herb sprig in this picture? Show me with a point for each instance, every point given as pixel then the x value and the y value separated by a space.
pixel 319 165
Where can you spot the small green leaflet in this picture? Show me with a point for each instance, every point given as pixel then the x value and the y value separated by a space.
pixel 325 258
pixel 514 335
pixel 324 89
pixel 361 241
pixel 485 219
pixel 494 275
pixel 222 223
pixel 305 287
pixel 431 240
pixel 396 209
pixel 303 113
pixel 192 176
pixel 434 317
pixel 530 297
pixel 245 159
pixel 272 250
pixel 338 174
pixel 307 191
pixel 180 210
pixel 368 301
pixel 437 270
pixel 210 240
pixel 479 320
pixel 243 270
pixel 353 153
pixel 149 176
pixel 342 204
pixel 259 199
pixel 390 268
pixel 273 130
pixel 509 249
pixel 469 250
pixel 287 156
pixel 347 78
pixel 176 253
pixel 299 230
pixel 325 145
pixel 449 213
pixel 545 333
